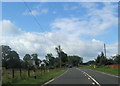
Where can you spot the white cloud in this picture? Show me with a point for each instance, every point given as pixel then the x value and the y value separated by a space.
pixel 96 22
pixel 36 12
pixel 8 28
pixel 68 33
pixel 33 12
pixel 88 5
pixel 44 11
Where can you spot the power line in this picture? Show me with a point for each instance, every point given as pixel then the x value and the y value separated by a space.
pixel 33 16
pixel 36 20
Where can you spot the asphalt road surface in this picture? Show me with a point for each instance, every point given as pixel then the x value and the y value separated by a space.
pixel 84 77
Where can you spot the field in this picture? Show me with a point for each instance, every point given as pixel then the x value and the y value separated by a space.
pixel 106 69
pixel 42 76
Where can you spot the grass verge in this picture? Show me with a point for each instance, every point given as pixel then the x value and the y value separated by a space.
pixel 42 78
pixel 105 69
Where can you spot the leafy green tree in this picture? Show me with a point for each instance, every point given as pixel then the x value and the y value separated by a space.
pixel 110 61
pixel 27 57
pixel 25 63
pixel 10 59
pixel 64 57
pixel 75 60
pixel 13 60
pixel 90 62
pixel 35 58
pixel 101 60
pixel 117 59
pixel 5 52
pixel 50 59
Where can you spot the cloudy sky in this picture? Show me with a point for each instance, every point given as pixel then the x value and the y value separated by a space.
pixel 80 28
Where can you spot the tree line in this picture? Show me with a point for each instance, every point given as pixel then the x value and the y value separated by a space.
pixel 103 60
pixel 11 59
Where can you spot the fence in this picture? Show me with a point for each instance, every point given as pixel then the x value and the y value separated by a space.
pixel 13 75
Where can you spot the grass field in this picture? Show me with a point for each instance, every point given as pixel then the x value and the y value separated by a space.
pixel 106 69
pixel 42 76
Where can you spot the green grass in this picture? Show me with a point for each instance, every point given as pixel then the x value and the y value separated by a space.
pixel 41 77
pixel 106 69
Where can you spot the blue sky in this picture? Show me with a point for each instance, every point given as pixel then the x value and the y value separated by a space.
pixel 85 23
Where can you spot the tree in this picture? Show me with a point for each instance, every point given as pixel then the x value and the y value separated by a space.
pixel 5 52
pixel 27 57
pixel 58 49
pixel 110 61
pixel 75 60
pixel 90 62
pixel 101 60
pixel 64 57
pixel 13 60
pixel 10 59
pixel 50 59
pixel 35 58
pixel 116 59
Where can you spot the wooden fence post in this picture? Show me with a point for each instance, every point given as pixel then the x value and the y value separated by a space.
pixel 13 73
pixel 34 73
pixel 20 72
pixel 28 72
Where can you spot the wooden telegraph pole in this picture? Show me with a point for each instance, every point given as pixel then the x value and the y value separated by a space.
pixel 105 49
pixel 59 50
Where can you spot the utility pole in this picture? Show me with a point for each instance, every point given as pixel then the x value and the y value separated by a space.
pixel 105 49
pixel 59 50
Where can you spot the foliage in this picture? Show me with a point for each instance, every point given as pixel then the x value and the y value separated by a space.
pixel 10 59
pixel 75 60
pixel 35 58
pixel 116 59
pixel 101 60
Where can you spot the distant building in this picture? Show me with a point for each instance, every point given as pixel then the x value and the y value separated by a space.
pixel 42 64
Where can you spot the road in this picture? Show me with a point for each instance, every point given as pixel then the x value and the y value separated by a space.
pixel 83 77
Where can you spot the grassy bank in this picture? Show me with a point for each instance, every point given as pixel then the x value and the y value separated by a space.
pixel 106 69
pixel 42 77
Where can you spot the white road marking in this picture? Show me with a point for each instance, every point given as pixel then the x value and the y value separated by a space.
pixel 89 77
pixel 93 83
pixel 54 78
pixel 48 82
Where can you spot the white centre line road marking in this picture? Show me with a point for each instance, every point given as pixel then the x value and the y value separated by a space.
pixel 89 77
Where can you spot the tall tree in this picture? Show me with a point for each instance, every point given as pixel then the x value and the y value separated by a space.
pixel 5 52
pixel 50 59
pixel 75 60
pixel 101 59
pixel 27 57
pixel 35 58
pixel 117 59
pixel 10 59
pixel 58 49
pixel 13 60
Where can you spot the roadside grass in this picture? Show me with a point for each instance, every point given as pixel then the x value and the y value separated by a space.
pixel 106 69
pixel 42 77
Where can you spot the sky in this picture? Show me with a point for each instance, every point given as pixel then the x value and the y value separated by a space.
pixel 81 28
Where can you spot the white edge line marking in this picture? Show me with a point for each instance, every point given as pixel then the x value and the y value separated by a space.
pixel 89 77
pixel 54 78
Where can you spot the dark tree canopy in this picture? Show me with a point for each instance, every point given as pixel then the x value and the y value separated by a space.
pixel 27 57
pixel 10 59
